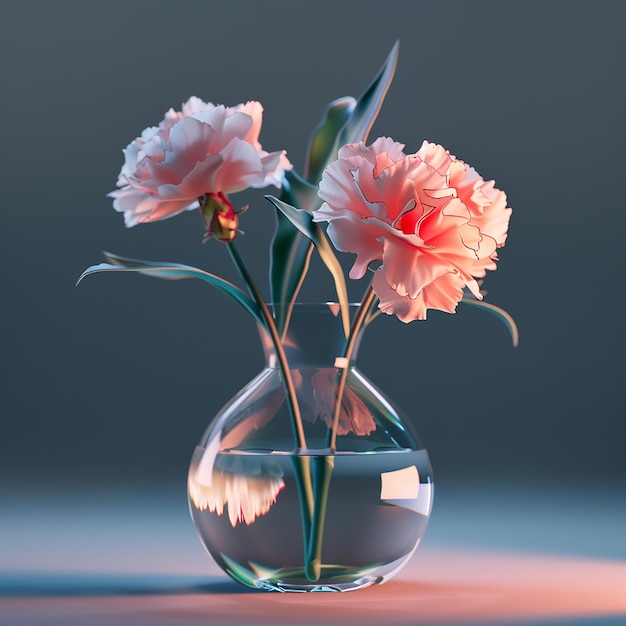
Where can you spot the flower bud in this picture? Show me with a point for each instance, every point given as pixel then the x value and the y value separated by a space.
pixel 219 217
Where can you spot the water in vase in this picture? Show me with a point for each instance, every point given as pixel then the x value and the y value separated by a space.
pixel 250 511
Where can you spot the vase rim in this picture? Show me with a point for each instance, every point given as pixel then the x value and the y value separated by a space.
pixel 314 304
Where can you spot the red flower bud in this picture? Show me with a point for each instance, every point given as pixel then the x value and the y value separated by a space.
pixel 219 217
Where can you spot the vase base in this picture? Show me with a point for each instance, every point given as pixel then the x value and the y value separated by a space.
pixel 333 578
pixel 283 587
pixel 295 582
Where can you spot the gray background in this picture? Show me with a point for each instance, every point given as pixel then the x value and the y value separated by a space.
pixel 112 383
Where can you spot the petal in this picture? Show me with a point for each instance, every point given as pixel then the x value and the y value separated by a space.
pixel 408 269
pixel 391 303
pixel 226 127
pixel 383 161
pixel 169 208
pixel 199 180
pixel 139 207
pixel 255 111
pixel 348 233
pixel 195 105
pixel 340 191
pixel 496 215
pixel 274 166
pixel 437 157
pixel 486 204
pixel 393 149
pixel 440 228
pixel 443 294
pixel 407 179
pixel 241 167
pixel 189 142
pixel 133 204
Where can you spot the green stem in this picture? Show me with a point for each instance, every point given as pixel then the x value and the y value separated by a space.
pixel 292 400
pixel 322 471
pixel 373 312
pixel 302 473
pixel 296 290
pixel 360 317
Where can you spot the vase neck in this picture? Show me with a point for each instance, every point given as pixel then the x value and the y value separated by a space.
pixel 315 337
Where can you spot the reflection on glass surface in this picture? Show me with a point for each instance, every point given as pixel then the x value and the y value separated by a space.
pixel 244 485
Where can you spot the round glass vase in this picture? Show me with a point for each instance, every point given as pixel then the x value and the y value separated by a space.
pixel 340 513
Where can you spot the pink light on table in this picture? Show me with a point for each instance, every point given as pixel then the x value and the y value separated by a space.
pixel 440 586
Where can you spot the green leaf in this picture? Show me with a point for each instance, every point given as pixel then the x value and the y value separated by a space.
pixel 174 271
pixel 291 251
pixel 291 254
pixel 303 221
pixel 362 119
pixel 321 149
pixel 501 314
pixel 299 192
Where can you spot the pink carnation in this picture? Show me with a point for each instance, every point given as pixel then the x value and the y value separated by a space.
pixel 431 219
pixel 204 148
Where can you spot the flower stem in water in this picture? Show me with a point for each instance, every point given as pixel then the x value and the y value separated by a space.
pixel 322 471
pixel 302 472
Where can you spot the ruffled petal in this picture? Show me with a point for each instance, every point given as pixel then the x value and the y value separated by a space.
pixel 442 294
pixel 348 233
pixel 255 111
pixel 408 269
pixel 338 189
pixel 274 166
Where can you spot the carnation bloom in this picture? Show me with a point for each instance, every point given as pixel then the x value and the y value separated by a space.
pixel 431 219
pixel 202 149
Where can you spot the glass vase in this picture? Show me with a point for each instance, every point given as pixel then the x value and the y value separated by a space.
pixel 338 514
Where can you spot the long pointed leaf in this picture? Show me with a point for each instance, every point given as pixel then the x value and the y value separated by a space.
pixel 299 192
pixel 174 271
pixel 359 124
pixel 291 254
pixel 291 251
pixel 501 314
pixel 303 221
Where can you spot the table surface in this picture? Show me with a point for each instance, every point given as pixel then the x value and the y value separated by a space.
pixel 505 555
